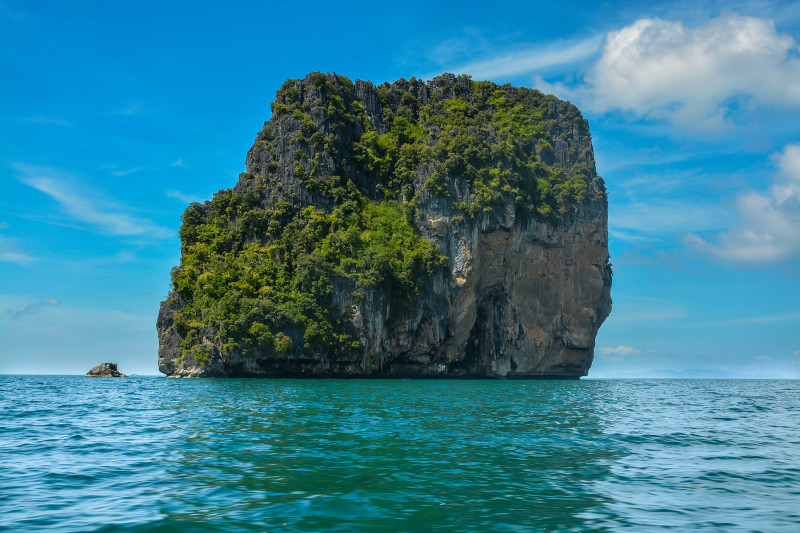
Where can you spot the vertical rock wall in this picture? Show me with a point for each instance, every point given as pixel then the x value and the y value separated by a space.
pixel 523 296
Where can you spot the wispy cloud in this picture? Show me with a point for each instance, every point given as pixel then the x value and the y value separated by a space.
pixel 102 261
pixel 134 108
pixel 42 119
pixel 466 44
pixel 86 206
pixel 33 308
pixel 10 253
pixel 617 354
pixel 62 316
pixel 642 310
pixel 530 59
pixel 694 77
pixel 671 182
pixel 765 319
pixel 769 227
pixel 631 237
pixel 626 159
pixel 666 216
pixel 618 350
pixel 185 198
pixel 126 172
pixel 648 253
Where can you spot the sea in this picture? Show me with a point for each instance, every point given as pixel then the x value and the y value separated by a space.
pixel 154 454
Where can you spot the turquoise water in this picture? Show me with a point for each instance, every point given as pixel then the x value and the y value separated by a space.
pixel 156 454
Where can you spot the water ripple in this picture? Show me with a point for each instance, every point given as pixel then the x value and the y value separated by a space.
pixel 152 454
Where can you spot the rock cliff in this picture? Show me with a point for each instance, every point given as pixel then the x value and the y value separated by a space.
pixel 448 228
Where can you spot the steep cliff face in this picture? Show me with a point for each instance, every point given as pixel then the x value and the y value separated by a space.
pixel 443 229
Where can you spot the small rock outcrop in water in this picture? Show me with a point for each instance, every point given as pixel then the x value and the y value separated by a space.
pixel 448 228
pixel 105 370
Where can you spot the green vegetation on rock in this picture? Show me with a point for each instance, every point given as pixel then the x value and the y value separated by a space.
pixel 259 284
pixel 498 139
pixel 330 199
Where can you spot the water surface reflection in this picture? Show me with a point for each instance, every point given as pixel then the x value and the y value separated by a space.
pixel 344 455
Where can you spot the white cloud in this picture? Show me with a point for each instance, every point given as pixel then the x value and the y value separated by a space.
pixel 694 77
pixel 3 225
pixel 619 350
pixel 617 354
pixel 178 163
pixel 769 229
pixel 84 205
pixel 763 357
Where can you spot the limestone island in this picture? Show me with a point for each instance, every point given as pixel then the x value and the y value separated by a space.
pixel 442 229
pixel 105 370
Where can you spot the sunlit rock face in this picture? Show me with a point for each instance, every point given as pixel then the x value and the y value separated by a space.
pixel 521 294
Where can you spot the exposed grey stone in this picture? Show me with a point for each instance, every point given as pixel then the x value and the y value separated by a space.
pixel 105 370
pixel 523 297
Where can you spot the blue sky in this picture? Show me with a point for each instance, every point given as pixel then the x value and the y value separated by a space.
pixel 116 115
